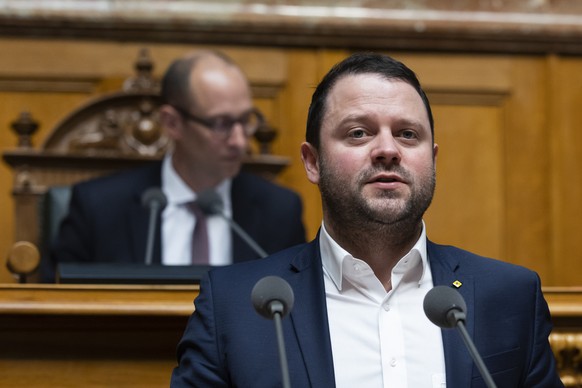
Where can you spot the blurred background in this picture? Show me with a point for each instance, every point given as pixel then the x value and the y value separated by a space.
pixel 504 79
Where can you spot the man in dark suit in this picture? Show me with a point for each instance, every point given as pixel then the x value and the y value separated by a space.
pixel 208 114
pixel 359 287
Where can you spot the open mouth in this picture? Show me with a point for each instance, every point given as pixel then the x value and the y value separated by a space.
pixel 385 179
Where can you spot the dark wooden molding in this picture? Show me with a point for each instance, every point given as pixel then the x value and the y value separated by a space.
pixel 519 30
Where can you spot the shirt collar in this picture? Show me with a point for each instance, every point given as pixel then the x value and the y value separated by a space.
pixel 178 192
pixel 333 256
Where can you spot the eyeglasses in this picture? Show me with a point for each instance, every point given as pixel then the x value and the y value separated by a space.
pixel 222 125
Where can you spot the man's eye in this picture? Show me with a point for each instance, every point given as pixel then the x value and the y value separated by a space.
pixel 408 134
pixel 222 123
pixel 357 134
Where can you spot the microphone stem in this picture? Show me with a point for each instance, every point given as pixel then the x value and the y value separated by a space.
pixel 475 355
pixel 242 234
pixel 151 231
pixel 281 346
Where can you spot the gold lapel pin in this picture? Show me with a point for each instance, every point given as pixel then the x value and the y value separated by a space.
pixel 457 284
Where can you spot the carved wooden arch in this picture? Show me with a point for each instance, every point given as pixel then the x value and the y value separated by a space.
pixel 123 123
pixel 120 123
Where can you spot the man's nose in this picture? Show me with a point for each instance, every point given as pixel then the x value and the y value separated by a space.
pixel 238 137
pixel 385 148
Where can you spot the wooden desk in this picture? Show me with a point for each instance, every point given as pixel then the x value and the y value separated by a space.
pixel 126 336
pixel 91 336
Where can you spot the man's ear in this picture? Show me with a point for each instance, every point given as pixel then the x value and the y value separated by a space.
pixel 310 158
pixel 171 121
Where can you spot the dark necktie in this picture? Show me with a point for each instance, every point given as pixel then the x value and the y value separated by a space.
pixel 200 249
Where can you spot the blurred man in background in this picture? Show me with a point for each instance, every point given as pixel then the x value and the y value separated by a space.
pixel 209 115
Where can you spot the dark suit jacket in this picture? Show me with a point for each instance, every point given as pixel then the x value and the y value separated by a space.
pixel 227 344
pixel 107 222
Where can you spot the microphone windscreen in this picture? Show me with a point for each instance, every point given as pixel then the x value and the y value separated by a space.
pixel 440 302
pixel 154 195
pixel 272 289
pixel 209 202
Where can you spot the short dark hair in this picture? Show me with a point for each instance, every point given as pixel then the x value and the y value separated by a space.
pixel 359 63
pixel 175 85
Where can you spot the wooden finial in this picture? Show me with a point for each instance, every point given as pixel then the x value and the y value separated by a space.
pixel 23 259
pixel 143 81
pixel 24 126
pixel 265 135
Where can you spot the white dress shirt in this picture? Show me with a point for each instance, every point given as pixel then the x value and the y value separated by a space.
pixel 178 222
pixel 379 338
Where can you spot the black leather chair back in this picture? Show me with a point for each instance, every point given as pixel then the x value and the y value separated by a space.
pixel 54 206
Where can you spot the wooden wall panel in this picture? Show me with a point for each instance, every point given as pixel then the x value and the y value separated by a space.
pixel 303 71
pixel 508 127
pixel 563 131
pixel 527 197
pixel 470 185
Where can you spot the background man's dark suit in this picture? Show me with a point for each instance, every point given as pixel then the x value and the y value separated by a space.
pixel 107 222
pixel 237 347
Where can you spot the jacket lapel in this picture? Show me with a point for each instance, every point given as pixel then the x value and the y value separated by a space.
pixel 446 269
pixel 309 316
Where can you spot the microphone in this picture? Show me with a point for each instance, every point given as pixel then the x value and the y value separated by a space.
pixel 446 308
pixel 211 204
pixel 155 200
pixel 272 295
pixel 273 298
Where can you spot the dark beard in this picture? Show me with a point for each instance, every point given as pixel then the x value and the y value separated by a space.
pixel 356 219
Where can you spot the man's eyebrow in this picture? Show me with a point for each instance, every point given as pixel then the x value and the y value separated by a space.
pixel 410 122
pixel 355 117
pixel 362 117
